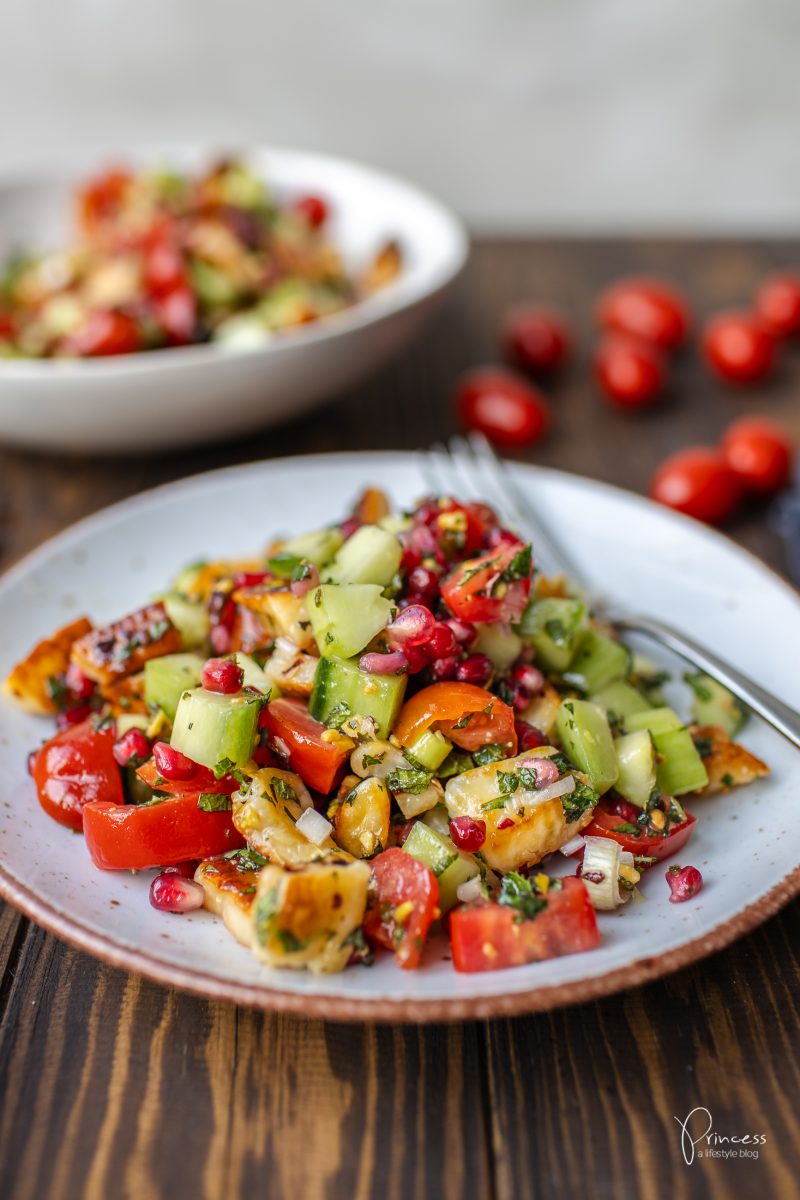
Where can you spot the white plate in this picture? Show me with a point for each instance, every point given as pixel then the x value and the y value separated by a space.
pixel 195 394
pixel 746 843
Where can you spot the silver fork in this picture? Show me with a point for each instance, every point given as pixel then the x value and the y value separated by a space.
pixel 469 467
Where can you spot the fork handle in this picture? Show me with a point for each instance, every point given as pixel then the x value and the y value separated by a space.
pixel 779 715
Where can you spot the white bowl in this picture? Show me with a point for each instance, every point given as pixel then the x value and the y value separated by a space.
pixel 177 397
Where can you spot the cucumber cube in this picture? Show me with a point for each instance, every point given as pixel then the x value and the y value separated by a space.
pixel 598 661
pixel 682 769
pixel 210 727
pixel 190 619
pixel 587 741
pixel 553 627
pixel 168 677
pixel 657 720
pixel 253 675
pixel 370 555
pixel 340 685
pixel 620 700
pixel 317 548
pixel 430 749
pixel 713 704
pixel 345 618
pixel 636 759
pixel 499 643
pixel 452 867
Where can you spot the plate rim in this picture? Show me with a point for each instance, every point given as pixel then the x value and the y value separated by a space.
pixel 384 1009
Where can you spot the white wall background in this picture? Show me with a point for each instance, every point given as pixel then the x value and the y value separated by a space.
pixel 524 114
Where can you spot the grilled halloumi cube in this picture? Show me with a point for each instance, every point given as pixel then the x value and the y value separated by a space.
pixel 728 764
pixel 121 649
pixel 285 613
pixel 126 695
pixel 265 812
pixel 291 669
pixel 308 916
pixel 30 683
pixel 516 834
pixel 362 817
pixel 229 883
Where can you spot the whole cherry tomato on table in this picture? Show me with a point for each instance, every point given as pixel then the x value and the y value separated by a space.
pixel 759 452
pixel 738 347
pixel 698 482
pixel 536 339
pixel 645 308
pixel 503 406
pixel 631 373
pixel 778 304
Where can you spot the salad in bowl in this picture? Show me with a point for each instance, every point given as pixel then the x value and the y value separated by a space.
pixel 385 728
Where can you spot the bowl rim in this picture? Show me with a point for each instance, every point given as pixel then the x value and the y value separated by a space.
pixel 422 282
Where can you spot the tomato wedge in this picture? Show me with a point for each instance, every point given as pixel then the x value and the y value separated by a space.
pixel 136 836
pixel 494 587
pixel 72 769
pixel 605 823
pixel 406 902
pixel 467 714
pixel 490 937
pixel 319 763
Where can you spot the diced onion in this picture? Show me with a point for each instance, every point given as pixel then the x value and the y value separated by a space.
pixel 472 889
pixel 314 827
pixel 602 860
pixel 528 797
pixel 413 804
pixel 573 846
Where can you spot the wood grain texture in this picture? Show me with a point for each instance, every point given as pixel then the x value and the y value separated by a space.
pixel 114 1087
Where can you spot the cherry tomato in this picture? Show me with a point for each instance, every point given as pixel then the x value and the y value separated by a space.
pixel 491 587
pixel 467 714
pixel 176 313
pixel 122 837
pixel 105 333
pixel 630 372
pixel 536 339
pixel 738 347
pixel 72 769
pixel 778 304
pixel 699 482
pixel 314 209
pixel 319 763
pixel 164 268
pixel 645 308
pixel 503 406
pixel 606 823
pixel 202 780
pixel 407 901
pixel 760 453
pixel 490 937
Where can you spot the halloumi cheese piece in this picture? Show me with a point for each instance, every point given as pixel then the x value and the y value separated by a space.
pixel 229 883
pixel 30 682
pixel 121 649
pixel 728 764
pixel 265 812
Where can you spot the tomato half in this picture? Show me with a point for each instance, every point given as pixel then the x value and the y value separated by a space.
pixel 406 903
pixel 467 714
pixel 320 764
pixel 477 591
pixel 75 767
pixel 137 836
pixel 698 482
pixel 605 823
pixel 490 936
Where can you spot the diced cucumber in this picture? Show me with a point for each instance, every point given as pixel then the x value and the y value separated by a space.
pixel 191 620
pixel 438 819
pixel 464 868
pixel 598 661
pixel 429 847
pixel 587 741
pixel 168 677
pixel 210 727
pixel 499 643
pixel 682 769
pixel 636 759
pixel 713 704
pixel 430 749
pixel 657 720
pixel 346 617
pixel 340 682
pixel 127 721
pixel 370 555
pixel 317 548
pixel 619 700
pixel 553 627
pixel 254 676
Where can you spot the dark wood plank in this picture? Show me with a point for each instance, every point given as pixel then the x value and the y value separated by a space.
pixel 116 1087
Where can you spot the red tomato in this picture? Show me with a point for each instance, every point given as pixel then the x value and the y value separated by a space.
pixel 630 372
pixel 476 590
pixel 738 347
pixel 778 304
pixel 320 764
pixel 105 333
pixel 699 482
pixel 203 780
pixel 490 937
pixel 759 452
pixel 407 901
pixel 501 405
pixel 314 209
pixel 72 769
pixel 176 313
pixel 164 268
pixel 536 339
pixel 645 308
pixel 448 707
pixel 605 823
pixel 134 837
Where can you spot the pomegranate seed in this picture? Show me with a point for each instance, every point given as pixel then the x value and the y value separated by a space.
pixel 221 638
pixel 463 631
pixel 444 668
pixel 412 626
pixel 395 663
pixel 171 764
pixel 528 736
pixel 402 831
pixel 468 834
pixel 222 675
pixel 506 823
pixel 132 749
pixel 172 893
pixel 73 716
pixel 78 684
pixel 348 527
pixel 184 869
pixel 519 697
pixel 684 882
pixel 442 642
pixel 416 659
pixel 424 583
pixel 629 812
pixel 528 677
pixel 411 558
pixel 475 669
pixel 313 209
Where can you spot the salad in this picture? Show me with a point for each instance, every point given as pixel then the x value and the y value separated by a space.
pixel 163 259
pixel 389 726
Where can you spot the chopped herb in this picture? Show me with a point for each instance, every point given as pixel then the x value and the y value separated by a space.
pixel 556 631
pixel 283 790
pixel 507 782
pixel 246 859
pixel 519 567
pixel 101 721
pixel 409 779
pixel 470 572
pixel 266 910
pixel 728 780
pixel 487 754
pixel 223 767
pixel 338 715
pixel 700 689
pixel 361 949
pixel 464 721
pixel 248 891
pixel 576 803
pixel 372 760
pixel 329 637
pixel 152 803
pixel 491 805
pixel 456 763
pixel 57 690
pixel 703 746
pixel 289 943
pixel 519 893
pixel 214 802
pixel 284 564
pixel 626 827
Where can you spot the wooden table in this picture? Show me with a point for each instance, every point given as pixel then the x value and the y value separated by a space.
pixel 115 1087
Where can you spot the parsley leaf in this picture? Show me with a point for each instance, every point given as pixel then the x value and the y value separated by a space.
pixel 408 779
pixel 576 803
pixel 488 754
pixel 246 859
pixel 519 567
pixel 223 767
pixel 518 892
pixel 214 802
pixel 507 782
pixel 338 715
pixel 282 790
